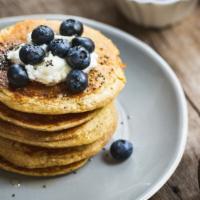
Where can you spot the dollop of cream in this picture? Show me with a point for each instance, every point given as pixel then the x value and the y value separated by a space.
pixel 50 72
pixel 13 55
pixel 53 69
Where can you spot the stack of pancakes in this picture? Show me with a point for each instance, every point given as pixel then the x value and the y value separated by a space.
pixel 46 131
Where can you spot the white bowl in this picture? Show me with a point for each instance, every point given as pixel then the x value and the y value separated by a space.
pixel 156 13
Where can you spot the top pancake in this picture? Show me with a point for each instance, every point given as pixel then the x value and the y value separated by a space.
pixel 106 80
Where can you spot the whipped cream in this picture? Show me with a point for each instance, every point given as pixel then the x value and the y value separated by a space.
pixel 53 69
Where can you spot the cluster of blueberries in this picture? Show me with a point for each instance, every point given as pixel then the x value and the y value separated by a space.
pixel 76 53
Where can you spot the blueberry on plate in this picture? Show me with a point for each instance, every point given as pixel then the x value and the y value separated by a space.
pixel 71 27
pixel 42 35
pixel 31 54
pixel 59 47
pixel 77 81
pixel 17 76
pixel 121 149
pixel 85 42
pixel 78 57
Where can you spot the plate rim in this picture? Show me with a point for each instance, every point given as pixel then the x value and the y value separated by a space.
pixel 163 65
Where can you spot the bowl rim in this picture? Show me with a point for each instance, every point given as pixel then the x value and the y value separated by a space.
pixel 157 2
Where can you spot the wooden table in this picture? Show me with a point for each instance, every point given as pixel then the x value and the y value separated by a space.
pixel 179 45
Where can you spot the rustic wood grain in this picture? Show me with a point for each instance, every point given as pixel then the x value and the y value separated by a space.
pixel 179 45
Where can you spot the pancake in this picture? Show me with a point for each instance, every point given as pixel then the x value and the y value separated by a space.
pixel 106 80
pixel 36 157
pixel 51 171
pixel 45 122
pixel 87 133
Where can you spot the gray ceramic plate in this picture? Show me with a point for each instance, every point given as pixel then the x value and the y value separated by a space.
pixel 154 114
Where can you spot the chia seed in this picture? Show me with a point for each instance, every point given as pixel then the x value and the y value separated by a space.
pixel 3 61
pixel 49 63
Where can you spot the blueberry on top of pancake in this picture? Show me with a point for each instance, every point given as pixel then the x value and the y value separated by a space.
pixel 71 27
pixel 42 35
pixel 85 42
pixel 105 74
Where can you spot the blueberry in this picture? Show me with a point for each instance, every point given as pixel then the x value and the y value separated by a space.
pixel 77 81
pixel 78 57
pixel 59 47
pixel 17 76
pixel 42 35
pixel 121 149
pixel 71 27
pixel 31 54
pixel 85 42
